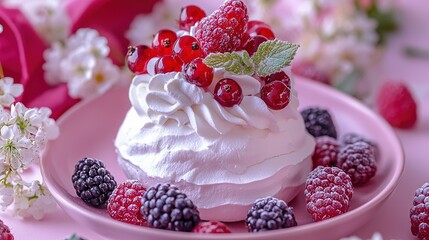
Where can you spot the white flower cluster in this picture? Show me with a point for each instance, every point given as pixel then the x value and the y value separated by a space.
pixel 82 62
pixel 48 17
pixel 23 135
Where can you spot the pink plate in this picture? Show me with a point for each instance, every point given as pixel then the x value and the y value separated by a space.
pixel 89 129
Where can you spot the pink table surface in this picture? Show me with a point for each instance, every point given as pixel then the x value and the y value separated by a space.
pixel 392 219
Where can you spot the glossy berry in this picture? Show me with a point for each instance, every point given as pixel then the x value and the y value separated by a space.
pixel 228 92
pixel 168 64
pixel 198 73
pixel 163 42
pixel 358 161
pixel 211 227
pixel 5 233
pixel 318 122
pixel 253 24
pixel 326 151
pixel 187 48
pixel 262 31
pixel 138 57
pixel 269 214
pixel 276 95
pixel 419 212
pixel 278 76
pixel 189 15
pixel 223 30
pixel 125 202
pixel 328 191
pixel 252 44
pixel 310 71
pixel 396 104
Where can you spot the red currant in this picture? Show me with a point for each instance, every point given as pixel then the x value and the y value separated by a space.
pixel 251 25
pixel 190 15
pixel 187 48
pixel 228 92
pixel 253 43
pixel 278 76
pixel 264 31
pixel 138 57
pixel 167 64
pixel 163 42
pixel 276 95
pixel 198 73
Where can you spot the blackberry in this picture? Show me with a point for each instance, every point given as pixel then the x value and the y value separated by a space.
pixel 419 212
pixel 93 182
pixel 350 138
pixel 318 122
pixel 165 207
pixel 269 214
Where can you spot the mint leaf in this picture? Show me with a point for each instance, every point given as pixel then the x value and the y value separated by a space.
pixel 272 56
pixel 234 62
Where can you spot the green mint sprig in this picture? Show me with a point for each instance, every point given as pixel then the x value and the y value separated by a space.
pixel 271 57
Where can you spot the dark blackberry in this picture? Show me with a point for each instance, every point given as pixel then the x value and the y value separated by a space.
pixel 269 214
pixel 350 138
pixel 93 182
pixel 419 212
pixel 165 207
pixel 318 122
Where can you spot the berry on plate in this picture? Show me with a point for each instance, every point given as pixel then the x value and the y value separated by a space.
pixel 5 233
pixel 211 227
pixel 328 191
pixel 350 138
pixel 125 202
pixel 326 151
pixel 165 207
pixel 269 214
pixel 419 213
pixel 318 122
pixel 93 182
pixel 397 105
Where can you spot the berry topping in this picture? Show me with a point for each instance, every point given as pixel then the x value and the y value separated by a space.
pixel 325 152
pixel 190 15
pixel 276 95
pixel 165 207
pixel 253 43
pixel 318 122
pixel 125 202
pixel 198 73
pixel 93 182
pixel 309 70
pixel 211 227
pixel 419 212
pixel 328 191
pixel 5 233
pixel 187 48
pixel 350 138
pixel 396 104
pixel 269 214
pixel 163 42
pixel 223 30
pixel 168 64
pixel 262 31
pixel 279 76
pixel 138 57
pixel 228 92
pixel 358 161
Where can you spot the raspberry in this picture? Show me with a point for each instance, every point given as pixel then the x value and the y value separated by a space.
pixel 165 207
pixel 325 152
pixel 350 138
pixel 396 104
pixel 92 182
pixel 269 214
pixel 211 227
pixel 222 31
pixel 358 161
pixel 419 213
pixel 328 191
pixel 5 233
pixel 318 122
pixel 310 71
pixel 125 202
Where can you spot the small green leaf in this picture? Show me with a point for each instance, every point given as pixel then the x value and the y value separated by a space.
pixel 234 62
pixel 272 56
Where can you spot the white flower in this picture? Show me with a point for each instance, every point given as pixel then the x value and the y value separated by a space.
pixel 90 40
pixel 6 196
pixel 9 91
pixel 78 65
pixel 15 148
pixel 53 57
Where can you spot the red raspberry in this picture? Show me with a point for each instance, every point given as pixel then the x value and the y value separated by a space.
pixel 223 30
pixel 5 233
pixel 325 152
pixel 419 213
pixel 358 161
pixel 396 104
pixel 310 71
pixel 211 227
pixel 328 191
pixel 125 202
